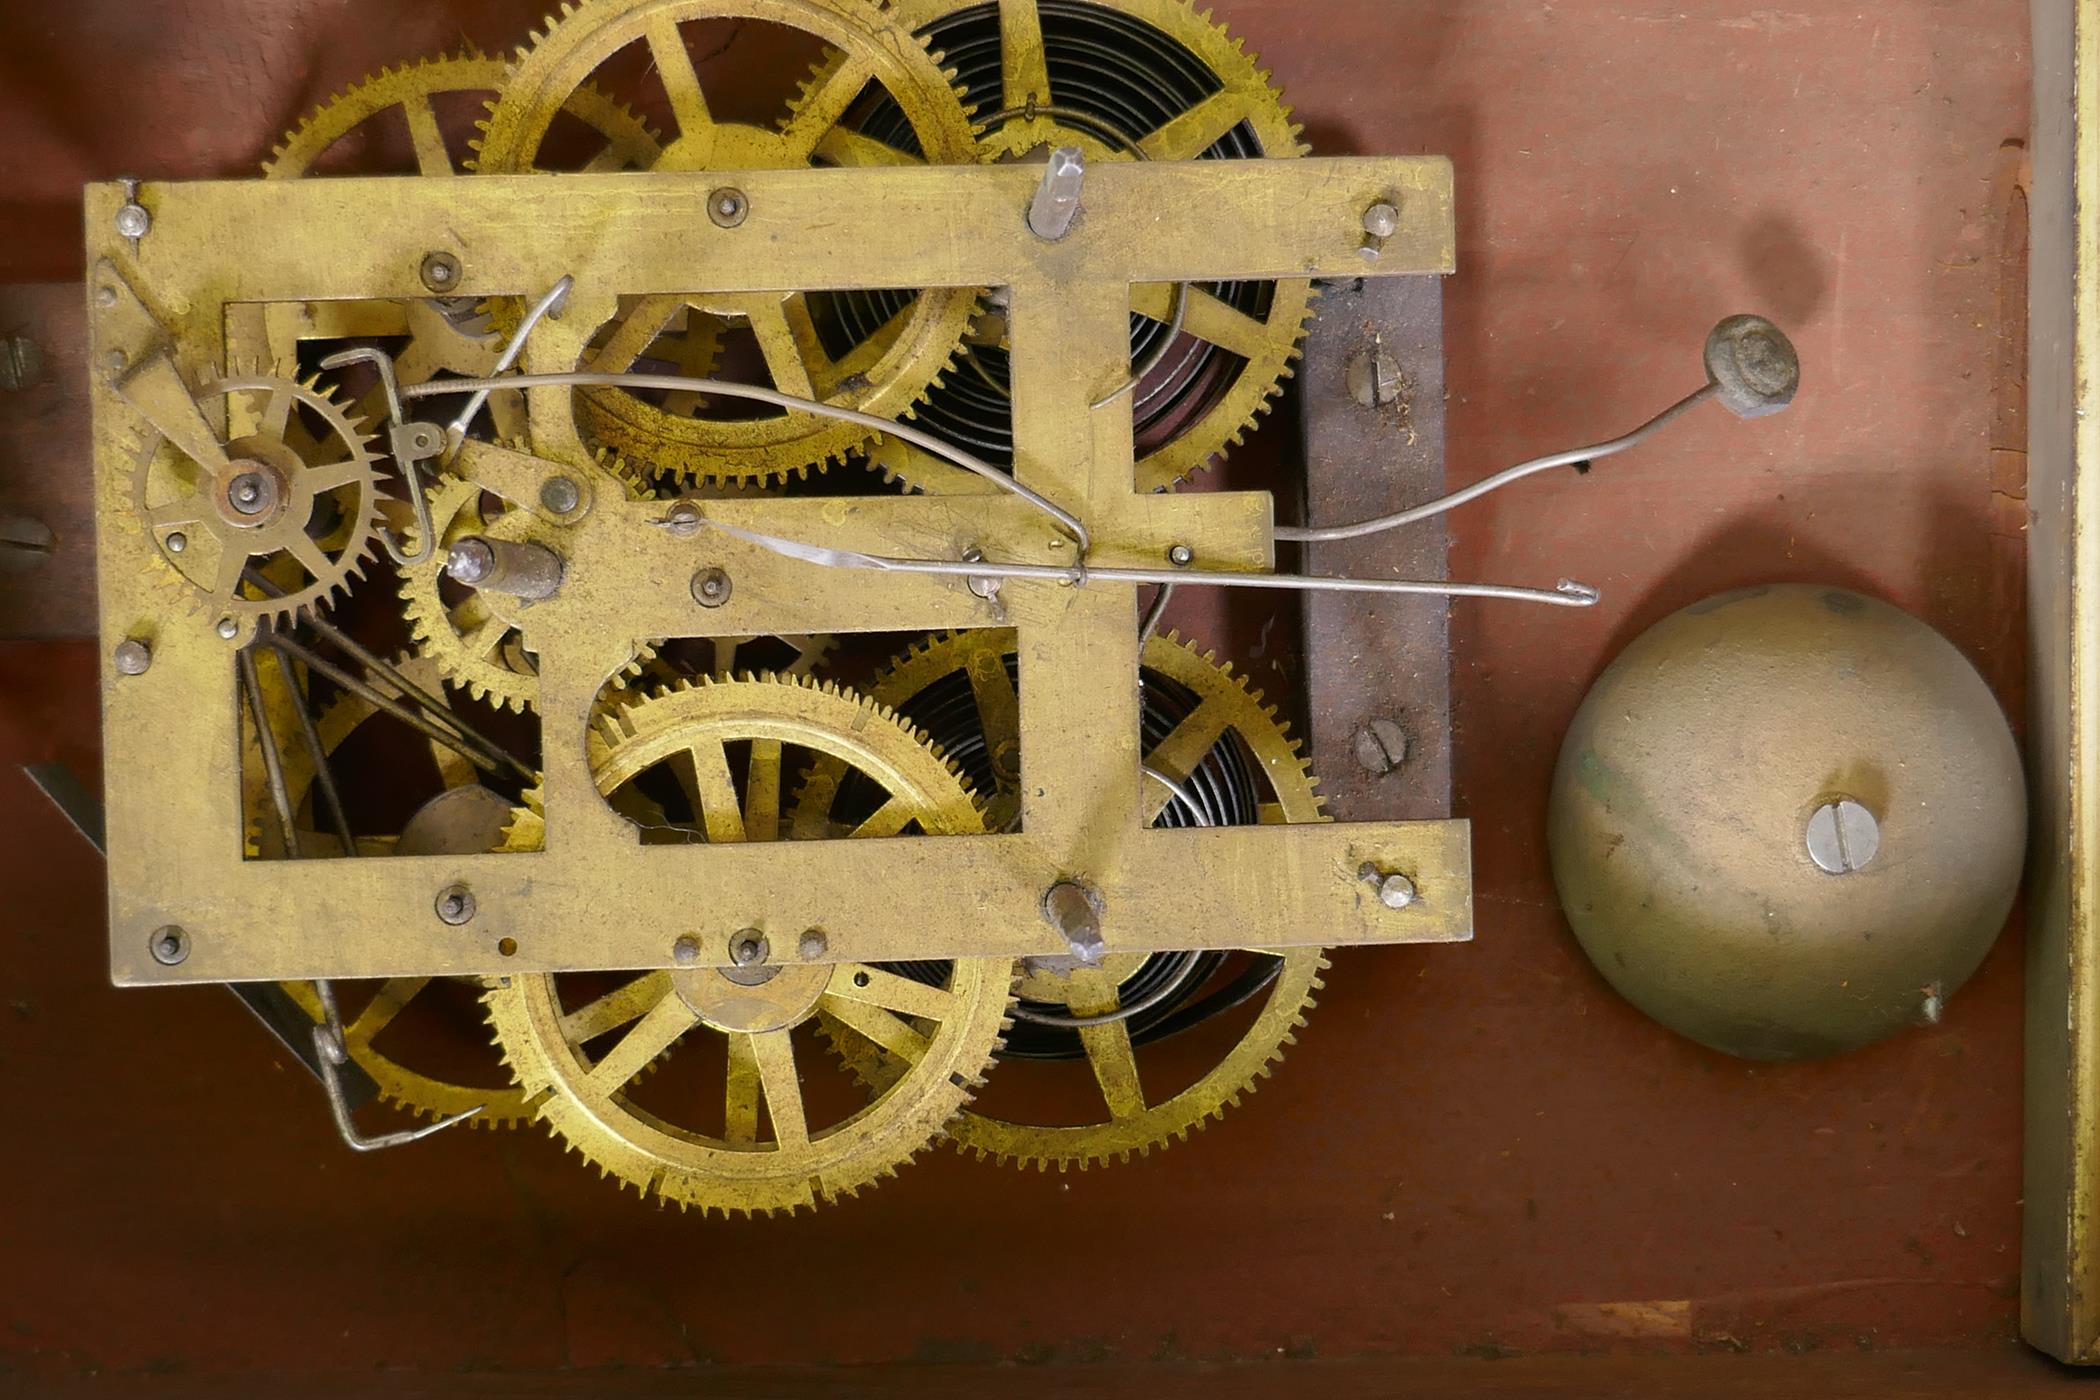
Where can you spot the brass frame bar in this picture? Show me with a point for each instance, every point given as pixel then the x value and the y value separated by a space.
pixel 594 897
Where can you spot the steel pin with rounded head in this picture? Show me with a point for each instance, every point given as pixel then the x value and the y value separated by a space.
pixel 133 221
pixel 455 905
pixel 560 494
pixel 132 657
pixel 1395 891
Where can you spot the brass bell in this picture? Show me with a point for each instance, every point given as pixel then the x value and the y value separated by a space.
pixel 1788 821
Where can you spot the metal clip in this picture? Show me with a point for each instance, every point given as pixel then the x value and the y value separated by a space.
pixel 411 443
pixel 333 1055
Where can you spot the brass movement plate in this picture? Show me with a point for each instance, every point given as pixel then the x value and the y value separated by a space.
pixel 595 898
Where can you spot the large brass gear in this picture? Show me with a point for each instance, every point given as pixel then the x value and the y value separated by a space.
pixel 477 640
pixel 1225 712
pixel 945 1035
pixel 297 502
pixel 373 1010
pixel 630 143
pixel 444 337
pixel 884 373
pixel 1240 341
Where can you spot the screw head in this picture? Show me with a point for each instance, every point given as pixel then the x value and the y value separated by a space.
pixel 178 542
pixel 711 588
pixel 21 362
pixel 985 588
pixel 1181 556
pixel 1382 220
pixel 105 297
pixel 132 657
pixel 747 948
pixel 1374 376
pixel 682 520
pixel 727 207
pixel 115 362
pixel 686 951
pixel 1843 836
pixel 1380 746
pixel 440 272
pixel 812 945
pixel 228 628
pixel 560 494
pixel 133 221
pixel 455 905
pixel 169 944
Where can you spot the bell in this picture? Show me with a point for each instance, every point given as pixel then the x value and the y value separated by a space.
pixel 1788 821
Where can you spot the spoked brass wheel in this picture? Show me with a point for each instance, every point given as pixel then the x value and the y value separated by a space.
pixel 395 122
pixel 1121 80
pixel 294 498
pixel 712 762
pixel 1230 762
pixel 884 368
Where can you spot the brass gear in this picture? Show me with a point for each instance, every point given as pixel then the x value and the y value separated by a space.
pixel 630 143
pixel 1244 116
pixel 443 337
pixel 305 515
pixel 884 373
pixel 477 642
pixel 424 1092
pixel 953 1029
pixel 1227 708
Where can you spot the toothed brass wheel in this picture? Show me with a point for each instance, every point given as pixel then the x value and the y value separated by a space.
pixel 475 637
pixel 394 122
pixel 712 762
pixel 1231 761
pixel 298 506
pixel 1115 78
pixel 883 368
